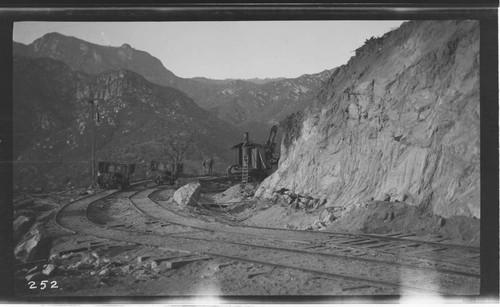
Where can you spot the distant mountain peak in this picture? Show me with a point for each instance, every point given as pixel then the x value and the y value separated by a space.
pixel 56 36
pixel 53 34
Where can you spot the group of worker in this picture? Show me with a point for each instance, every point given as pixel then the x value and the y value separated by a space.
pixel 207 165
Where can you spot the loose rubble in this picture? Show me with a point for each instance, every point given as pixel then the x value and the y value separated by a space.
pixel 21 225
pixel 33 244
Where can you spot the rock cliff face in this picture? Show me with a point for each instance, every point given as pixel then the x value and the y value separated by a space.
pixel 399 120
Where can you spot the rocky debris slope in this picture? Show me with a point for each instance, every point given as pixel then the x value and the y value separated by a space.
pixel 33 245
pixel 32 217
pixel 398 122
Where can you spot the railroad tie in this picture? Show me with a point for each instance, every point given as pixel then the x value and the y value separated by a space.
pixel 393 234
pixel 368 241
pixel 404 235
pixel 420 251
pixel 402 245
pixel 378 244
pixel 315 246
pixel 351 241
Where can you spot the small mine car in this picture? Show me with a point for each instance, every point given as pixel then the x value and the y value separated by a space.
pixel 112 175
pixel 165 171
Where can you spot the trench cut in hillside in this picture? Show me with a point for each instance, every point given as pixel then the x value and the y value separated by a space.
pixel 400 120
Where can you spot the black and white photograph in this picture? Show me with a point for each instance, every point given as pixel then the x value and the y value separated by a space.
pixel 209 159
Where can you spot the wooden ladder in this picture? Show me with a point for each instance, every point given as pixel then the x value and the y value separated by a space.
pixel 244 170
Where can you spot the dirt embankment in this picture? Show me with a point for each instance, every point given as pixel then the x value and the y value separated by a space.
pixel 376 217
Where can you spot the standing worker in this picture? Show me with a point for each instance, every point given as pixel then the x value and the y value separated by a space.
pixel 204 165
pixel 210 166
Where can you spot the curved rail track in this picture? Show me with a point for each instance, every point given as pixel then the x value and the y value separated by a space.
pixel 330 255
pixel 441 254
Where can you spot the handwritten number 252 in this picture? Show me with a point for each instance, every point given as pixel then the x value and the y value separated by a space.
pixel 43 284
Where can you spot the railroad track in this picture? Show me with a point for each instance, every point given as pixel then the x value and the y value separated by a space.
pixel 442 255
pixel 279 248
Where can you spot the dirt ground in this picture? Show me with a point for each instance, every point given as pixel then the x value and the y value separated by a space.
pixel 377 217
pixel 108 268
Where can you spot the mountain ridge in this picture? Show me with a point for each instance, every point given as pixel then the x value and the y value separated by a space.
pixel 52 119
pixel 237 101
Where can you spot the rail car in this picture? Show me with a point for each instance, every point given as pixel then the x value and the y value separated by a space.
pixel 112 175
pixel 165 171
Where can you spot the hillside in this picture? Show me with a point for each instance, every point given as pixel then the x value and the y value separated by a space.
pixel 52 123
pixel 398 122
pixel 251 104
pixel 91 58
pixel 241 101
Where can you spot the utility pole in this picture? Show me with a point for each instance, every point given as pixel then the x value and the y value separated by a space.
pixel 92 143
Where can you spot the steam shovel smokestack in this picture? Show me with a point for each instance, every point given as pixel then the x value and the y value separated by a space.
pixel 246 136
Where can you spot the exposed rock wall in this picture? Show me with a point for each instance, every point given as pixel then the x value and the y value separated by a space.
pixel 400 118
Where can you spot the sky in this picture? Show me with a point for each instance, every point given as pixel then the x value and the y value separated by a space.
pixel 222 50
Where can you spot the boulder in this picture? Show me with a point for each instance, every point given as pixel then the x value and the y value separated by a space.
pixel 384 197
pixel 36 268
pixel 399 198
pixel 233 194
pixel 126 269
pixel 318 225
pixel 21 225
pixel 141 259
pixel 287 199
pixel 104 273
pixel 35 276
pixel 250 188
pixel 32 245
pixel 49 269
pixel 261 193
pixel 274 199
pixel 475 211
pixel 188 195
pixel 329 218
